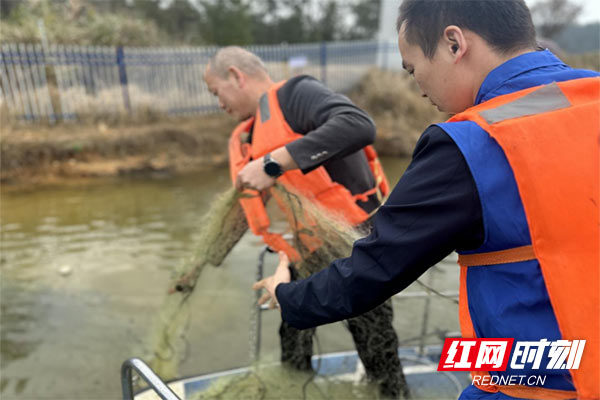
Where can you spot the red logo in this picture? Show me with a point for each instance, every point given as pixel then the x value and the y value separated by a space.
pixel 475 354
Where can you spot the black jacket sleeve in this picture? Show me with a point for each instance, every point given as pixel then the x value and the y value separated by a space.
pixel 433 210
pixel 333 126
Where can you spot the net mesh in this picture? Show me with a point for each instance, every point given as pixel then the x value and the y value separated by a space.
pixel 279 382
pixel 319 236
pixel 222 227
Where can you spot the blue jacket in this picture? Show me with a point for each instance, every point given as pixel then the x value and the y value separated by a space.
pixel 384 263
pixel 508 300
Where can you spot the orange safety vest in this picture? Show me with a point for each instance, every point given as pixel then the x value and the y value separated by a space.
pixel 550 136
pixel 270 132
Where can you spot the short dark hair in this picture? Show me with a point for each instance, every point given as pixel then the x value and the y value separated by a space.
pixel 504 24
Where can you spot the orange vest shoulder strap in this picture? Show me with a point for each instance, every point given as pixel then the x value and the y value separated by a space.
pixel 252 202
pixel 270 122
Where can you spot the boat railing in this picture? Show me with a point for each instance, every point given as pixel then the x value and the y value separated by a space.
pixel 165 393
pixel 427 294
pixel 148 375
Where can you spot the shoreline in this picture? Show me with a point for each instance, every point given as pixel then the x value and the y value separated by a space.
pixel 76 153
pixel 154 143
pixel 79 152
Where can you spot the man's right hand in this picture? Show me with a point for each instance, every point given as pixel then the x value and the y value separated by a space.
pixel 253 176
pixel 281 275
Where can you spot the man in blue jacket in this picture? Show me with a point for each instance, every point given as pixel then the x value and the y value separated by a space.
pixel 458 194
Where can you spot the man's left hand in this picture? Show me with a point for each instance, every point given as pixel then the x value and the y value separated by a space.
pixel 281 275
pixel 253 176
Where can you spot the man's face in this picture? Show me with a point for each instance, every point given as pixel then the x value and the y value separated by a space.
pixel 438 78
pixel 231 94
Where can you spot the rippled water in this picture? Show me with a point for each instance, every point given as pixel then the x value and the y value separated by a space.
pixel 84 269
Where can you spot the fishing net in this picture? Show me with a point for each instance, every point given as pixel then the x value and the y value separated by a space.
pixel 280 382
pixel 319 237
pixel 222 227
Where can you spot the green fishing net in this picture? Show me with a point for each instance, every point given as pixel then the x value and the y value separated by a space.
pixel 318 235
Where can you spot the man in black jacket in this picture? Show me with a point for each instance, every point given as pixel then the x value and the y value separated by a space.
pixel 334 132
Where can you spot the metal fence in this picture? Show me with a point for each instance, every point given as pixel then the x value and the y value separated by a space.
pixel 68 82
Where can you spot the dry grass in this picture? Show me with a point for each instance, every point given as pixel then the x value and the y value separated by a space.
pixel 400 113
pixel 44 153
pixel 103 143
pixel 589 60
pixel 82 26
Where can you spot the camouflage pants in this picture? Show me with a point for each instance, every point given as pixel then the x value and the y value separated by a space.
pixel 376 343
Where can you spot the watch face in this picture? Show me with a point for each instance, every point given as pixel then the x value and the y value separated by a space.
pixel 272 169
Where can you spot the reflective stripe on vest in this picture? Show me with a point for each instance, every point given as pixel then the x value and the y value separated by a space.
pixel 270 132
pixel 550 136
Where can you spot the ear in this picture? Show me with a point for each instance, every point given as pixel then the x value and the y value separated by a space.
pixel 237 75
pixel 454 42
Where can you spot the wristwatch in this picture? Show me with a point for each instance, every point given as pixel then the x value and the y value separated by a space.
pixel 271 167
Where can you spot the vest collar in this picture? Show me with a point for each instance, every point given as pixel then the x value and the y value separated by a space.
pixel 492 85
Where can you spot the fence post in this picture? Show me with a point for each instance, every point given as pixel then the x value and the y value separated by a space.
pixel 123 78
pixel 386 49
pixel 323 57
pixel 8 93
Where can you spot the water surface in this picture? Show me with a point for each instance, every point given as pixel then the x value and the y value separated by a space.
pixel 85 268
